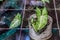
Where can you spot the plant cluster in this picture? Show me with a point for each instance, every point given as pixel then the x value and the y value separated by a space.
pixel 41 18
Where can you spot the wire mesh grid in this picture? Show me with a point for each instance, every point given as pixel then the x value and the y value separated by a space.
pixel 54 8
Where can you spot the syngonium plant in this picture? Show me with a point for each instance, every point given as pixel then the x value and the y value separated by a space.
pixel 41 19
pixel 16 21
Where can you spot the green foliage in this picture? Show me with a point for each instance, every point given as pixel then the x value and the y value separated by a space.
pixel 41 21
pixel 16 21
pixel 45 1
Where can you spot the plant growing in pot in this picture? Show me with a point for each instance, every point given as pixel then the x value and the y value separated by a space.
pixel 40 21
pixel 40 24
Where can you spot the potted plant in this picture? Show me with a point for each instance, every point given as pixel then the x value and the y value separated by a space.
pixel 40 24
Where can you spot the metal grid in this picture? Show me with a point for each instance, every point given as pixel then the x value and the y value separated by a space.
pixel 24 12
pixel 56 16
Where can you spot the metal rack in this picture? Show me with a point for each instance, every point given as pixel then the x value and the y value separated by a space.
pixel 54 8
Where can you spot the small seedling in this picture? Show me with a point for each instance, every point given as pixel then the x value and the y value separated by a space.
pixel 41 19
pixel 16 21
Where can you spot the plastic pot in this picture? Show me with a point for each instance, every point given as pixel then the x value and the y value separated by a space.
pixel 46 34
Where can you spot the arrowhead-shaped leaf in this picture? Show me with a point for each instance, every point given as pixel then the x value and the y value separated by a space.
pixel 16 21
pixel 42 18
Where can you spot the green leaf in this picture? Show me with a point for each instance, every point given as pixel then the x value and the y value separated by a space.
pixel 44 11
pixel 43 22
pixel 38 12
pixel 42 18
pixel 34 24
pixel 45 1
pixel 16 21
